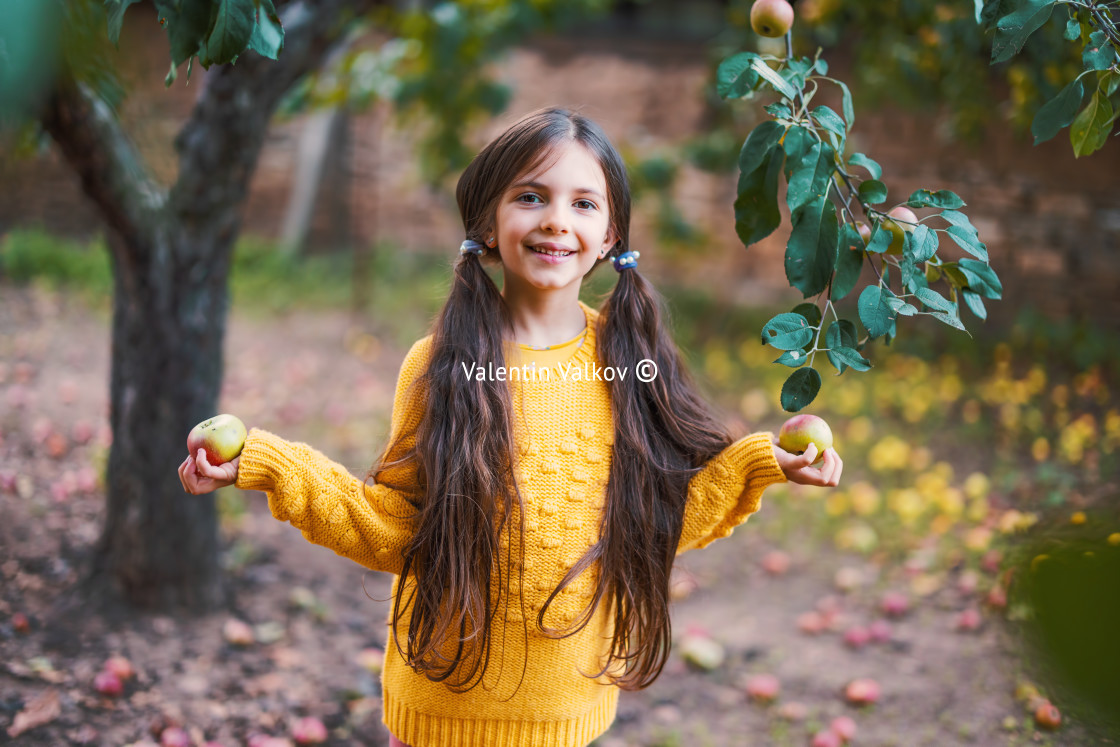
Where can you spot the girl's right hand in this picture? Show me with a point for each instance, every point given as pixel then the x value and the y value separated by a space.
pixel 199 476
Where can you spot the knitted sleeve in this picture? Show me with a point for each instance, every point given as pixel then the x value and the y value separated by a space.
pixel 368 522
pixel 728 490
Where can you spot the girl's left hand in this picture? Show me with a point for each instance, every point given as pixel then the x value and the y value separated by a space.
pixel 797 466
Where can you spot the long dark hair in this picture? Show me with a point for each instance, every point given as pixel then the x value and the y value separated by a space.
pixel 463 454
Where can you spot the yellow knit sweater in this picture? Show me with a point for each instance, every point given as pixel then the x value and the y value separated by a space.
pixel 534 694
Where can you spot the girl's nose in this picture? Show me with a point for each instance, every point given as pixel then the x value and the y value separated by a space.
pixel 554 220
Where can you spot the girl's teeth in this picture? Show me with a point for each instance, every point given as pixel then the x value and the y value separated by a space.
pixel 551 253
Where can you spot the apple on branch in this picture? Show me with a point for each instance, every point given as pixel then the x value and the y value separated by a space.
pixel 771 18
pixel 906 222
pixel 222 437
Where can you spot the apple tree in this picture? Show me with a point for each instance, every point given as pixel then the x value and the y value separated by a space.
pixel 837 199
pixel 171 245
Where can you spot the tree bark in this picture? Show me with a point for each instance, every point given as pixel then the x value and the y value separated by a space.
pixel 171 255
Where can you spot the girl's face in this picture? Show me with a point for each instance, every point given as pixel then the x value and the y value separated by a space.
pixel 553 223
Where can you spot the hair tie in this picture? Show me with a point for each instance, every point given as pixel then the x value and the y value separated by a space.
pixel 626 261
pixel 471 247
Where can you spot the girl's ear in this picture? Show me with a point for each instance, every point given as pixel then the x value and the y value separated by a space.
pixel 608 243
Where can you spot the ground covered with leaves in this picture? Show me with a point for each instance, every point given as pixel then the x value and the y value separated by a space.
pixel 903 580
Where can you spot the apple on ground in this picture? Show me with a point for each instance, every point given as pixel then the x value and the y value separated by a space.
pixel 862 691
pixel 799 431
pixel 1047 716
pixel 843 727
pixel 222 437
pixel 826 738
pixel 309 730
pixel 763 687
pixel 771 18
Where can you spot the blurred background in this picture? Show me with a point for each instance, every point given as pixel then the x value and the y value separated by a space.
pixel 967 563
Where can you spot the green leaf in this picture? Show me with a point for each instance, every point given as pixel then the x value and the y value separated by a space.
pixel 1058 112
pixel 873 192
pixel 969 241
pixel 232 30
pixel 1073 29
pixel 778 109
pixel 880 240
pixel 874 311
pixel 949 318
pixel 792 358
pixel 811 177
pixel 758 145
pixel 1013 30
pixel 797 143
pixel 1090 129
pixel 1098 54
pixel 829 120
pixel 899 306
pixel 873 168
pixel 981 278
pixel 974 302
pixel 268 33
pixel 735 78
pixel 1109 82
pixel 811 251
pixel 800 389
pixel 978 8
pixel 846 107
pixel 787 331
pixel 187 27
pixel 773 78
pixel 924 243
pixel 810 311
pixel 116 9
pixel 959 219
pixel 942 198
pixel 849 357
pixel 841 334
pixel 849 262
pixel 756 207
pixel 933 299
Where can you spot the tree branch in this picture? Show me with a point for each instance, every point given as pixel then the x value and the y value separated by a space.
pixel 238 101
pixel 113 173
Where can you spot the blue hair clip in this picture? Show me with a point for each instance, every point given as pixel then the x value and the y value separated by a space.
pixel 626 260
pixel 472 247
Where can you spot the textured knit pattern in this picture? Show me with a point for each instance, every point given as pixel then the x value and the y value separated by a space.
pixel 534 693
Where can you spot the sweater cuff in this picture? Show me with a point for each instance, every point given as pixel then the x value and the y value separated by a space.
pixel 264 456
pixel 757 450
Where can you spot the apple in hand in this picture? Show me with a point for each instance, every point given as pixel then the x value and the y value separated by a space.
pixel 772 18
pixel 801 430
pixel 222 437
pixel 907 222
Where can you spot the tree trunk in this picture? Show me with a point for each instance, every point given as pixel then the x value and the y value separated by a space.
pixel 171 253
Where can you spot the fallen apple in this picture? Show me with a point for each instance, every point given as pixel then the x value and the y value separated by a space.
pixel 880 631
pixel 108 683
pixel 857 637
pixel 763 687
pixel 701 652
pixel 119 666
pixel 238 633
pixel 173 736
pixel 969 620
pixel 801 430
pixel 843 727
pixel 221 437
pixel 309 730
pixel 862 691
pixel 1047 716
pixel 793 711
pixel 771 18
pixel 894 604
pixel 775 563
pixel 826 738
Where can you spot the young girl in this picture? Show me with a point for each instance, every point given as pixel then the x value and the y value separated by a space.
pixel 547 462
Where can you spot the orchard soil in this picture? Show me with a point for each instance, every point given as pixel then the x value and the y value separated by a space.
pixel 315 377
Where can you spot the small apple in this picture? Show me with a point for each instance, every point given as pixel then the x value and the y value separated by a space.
pixel 222 437
pixel 826 738
pixel 793 711
pixel 701 652
pixel 772 18
pixel 864 231
pixel 799 431
pixel 880 631
pixel 119 666
pixel 862 691
pixel 969 620
pixel 1047 716
pixel 763 687
pixel 108 683
pixel 843 727
pixel 857 637
pixel 174 736
pixel 309 730
pixel 906 223
pixel 776 563
pixel 894 604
